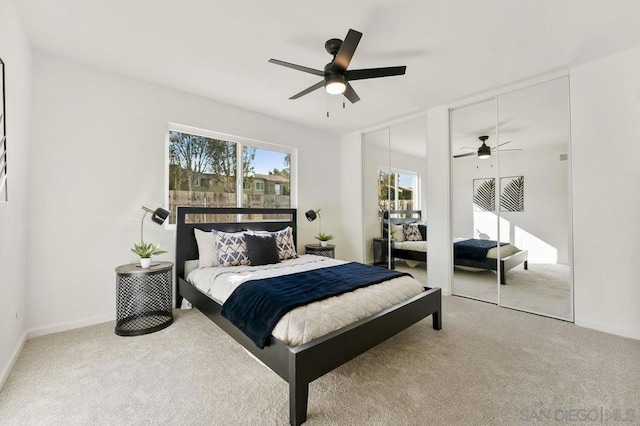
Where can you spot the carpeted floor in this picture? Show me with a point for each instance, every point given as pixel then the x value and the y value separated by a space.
pixel 487 365
pixel 543 288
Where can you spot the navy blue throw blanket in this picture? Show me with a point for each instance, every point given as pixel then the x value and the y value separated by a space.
pixel 256 306
pixel 473 249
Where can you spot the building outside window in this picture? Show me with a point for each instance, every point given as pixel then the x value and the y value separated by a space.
pixel 205 168
pixel 398 190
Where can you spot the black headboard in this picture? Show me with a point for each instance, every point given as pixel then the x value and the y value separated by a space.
pixel 396 217
pixel 224 219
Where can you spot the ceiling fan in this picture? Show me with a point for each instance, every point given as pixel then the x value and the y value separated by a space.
pixel 336 77
pixel 484 151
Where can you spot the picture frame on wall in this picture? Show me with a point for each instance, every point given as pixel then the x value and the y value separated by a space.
pixel 512 194
pixel 4 196
pixel 484 195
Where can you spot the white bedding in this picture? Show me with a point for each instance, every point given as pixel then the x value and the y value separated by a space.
pixel 505 251
pixel 308 322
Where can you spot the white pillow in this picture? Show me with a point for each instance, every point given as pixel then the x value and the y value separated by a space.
pixel 397 233
pixel 208 255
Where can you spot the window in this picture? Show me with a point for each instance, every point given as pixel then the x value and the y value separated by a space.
pixel 398 190
pixel 205 168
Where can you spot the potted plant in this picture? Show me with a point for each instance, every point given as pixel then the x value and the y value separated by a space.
pixel 145 251
pixel 323 238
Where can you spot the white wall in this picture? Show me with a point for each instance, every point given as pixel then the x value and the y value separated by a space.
pixel 439 248
pixel 605 119
pixel 15 53
pixel 99 155
pixel 351 246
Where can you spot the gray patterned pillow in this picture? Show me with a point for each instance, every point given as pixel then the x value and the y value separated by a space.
pixel 284 241
pixel 232 248
pixel 411 232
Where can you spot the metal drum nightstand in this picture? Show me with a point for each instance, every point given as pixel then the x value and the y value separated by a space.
pixel 144 298
pixel 318 250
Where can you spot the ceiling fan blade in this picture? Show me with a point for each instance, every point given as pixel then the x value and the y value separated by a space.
pixel 347 49
pixel 297 67
pixel 375 73
pixel 351 94
pixel 308 90
pixel 468 154
pixel 503 143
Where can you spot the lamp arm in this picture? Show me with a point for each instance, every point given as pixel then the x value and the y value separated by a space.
pixel 142 226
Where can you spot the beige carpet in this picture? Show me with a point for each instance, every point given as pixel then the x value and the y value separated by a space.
pixel 487 365
pixel 543 288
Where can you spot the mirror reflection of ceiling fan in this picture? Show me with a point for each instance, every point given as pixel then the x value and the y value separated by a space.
pixel 484 151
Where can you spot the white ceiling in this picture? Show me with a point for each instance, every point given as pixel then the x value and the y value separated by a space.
pixel 219 49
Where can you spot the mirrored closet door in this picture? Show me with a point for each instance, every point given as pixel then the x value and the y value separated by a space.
pixel 394 197
pixel 473 201
pixel 515 201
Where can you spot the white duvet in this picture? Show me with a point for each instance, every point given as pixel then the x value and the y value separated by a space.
pixel 308 322
pixel 505 251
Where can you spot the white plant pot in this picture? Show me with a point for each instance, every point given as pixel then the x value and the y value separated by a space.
pixel 323 243
pixel 145 262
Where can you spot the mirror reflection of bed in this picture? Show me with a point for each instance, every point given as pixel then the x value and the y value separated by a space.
pixel 394 177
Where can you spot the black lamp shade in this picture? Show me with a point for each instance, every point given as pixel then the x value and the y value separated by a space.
pixel 484 151
pixel 311 215
pixel 160 215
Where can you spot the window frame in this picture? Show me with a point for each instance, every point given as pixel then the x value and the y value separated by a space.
pixel 417 199
pixel 240 142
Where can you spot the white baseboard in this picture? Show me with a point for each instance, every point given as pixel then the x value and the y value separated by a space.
pixel 607 328
pixel 12 361
pixel 64 326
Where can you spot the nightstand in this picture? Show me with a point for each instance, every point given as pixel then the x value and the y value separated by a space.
pixel 144 298
pixel 381 253
pixel 328 251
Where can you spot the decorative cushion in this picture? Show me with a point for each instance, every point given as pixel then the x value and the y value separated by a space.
pixel 423 231
pixel 284 241
pixel 411 232
pixel 232 248
pixel 208 255
pixel 262 249
pixel 397 233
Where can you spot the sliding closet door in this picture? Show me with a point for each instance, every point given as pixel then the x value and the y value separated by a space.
pixel 408 171
pixel 474 179
pixel 534 197
pixel 376 196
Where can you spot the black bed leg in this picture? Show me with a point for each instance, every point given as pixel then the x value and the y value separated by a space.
pixel 298 396
pixel 437 321
pixel 526 264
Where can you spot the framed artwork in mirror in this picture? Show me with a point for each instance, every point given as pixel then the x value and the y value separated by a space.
pixel 512 195
pixel 4 197
pixel 484 195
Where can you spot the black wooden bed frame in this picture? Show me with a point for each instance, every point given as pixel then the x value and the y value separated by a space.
pixel 397 217
pixel 298 365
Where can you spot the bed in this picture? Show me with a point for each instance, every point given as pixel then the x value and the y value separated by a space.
pixel 510 255
pixel 298 365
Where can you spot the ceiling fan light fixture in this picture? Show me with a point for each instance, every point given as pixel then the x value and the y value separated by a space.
pixel 335 84
pixel 484 152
